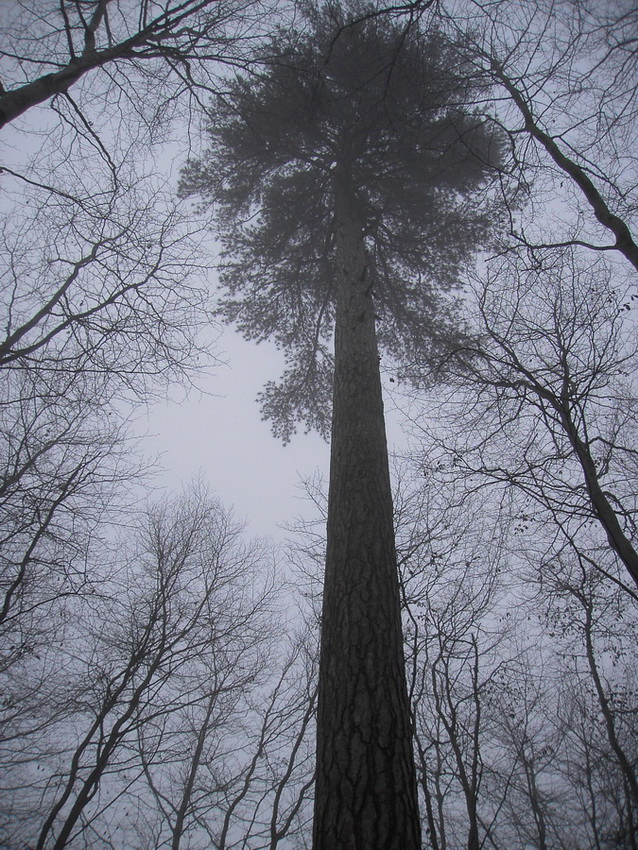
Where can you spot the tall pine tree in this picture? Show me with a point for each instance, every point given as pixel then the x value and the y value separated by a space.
pixel 342 182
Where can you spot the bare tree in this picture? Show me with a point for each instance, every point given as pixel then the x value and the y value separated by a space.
pixel 48 50
pixel 182 605
pixel 550 404
pixel 240 767
pixel 271 803
pixel 603 622
pixel 565 79
pixel 94 317
pixel 454 582
pixel 96 313
pixel 521 679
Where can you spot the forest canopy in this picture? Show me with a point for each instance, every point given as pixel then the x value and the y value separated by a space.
pixel 387 110
pixel 449 182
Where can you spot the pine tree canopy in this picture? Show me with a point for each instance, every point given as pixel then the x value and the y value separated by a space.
pixel 385 114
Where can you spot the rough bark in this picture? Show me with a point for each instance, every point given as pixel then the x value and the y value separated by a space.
pixel 366 795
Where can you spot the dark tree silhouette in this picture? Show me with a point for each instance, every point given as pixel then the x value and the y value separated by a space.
pixel 341 179
pixel 46 51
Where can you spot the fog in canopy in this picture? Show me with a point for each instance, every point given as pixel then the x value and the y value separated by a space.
pixel 391 109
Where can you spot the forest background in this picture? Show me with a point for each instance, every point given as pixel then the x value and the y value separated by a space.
pixel 158 667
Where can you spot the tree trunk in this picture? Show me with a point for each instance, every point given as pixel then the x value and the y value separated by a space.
pixel 366 793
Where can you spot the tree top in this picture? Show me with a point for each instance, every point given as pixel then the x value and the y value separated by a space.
pixel 387 114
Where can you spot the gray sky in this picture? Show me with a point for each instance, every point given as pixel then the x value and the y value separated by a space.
pixel 219 435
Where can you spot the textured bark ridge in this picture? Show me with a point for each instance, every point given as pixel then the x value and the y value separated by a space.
pixel 366 794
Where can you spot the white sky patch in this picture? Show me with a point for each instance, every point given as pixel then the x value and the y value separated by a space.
pixel 220 435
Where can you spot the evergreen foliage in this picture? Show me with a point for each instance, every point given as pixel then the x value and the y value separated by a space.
pixel 385 111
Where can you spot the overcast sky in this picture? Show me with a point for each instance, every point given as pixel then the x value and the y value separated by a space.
pixel 220 435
